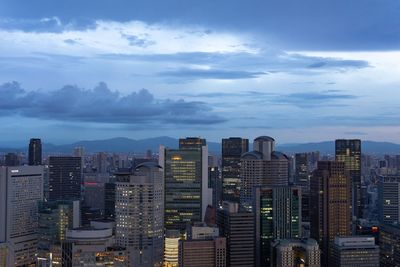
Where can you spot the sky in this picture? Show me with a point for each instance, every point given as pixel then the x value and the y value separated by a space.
pixel 299 71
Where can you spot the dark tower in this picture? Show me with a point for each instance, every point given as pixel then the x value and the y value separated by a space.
pixel 35 151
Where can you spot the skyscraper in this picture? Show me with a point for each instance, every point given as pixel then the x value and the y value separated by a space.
pixel 349 152
pixel 187 194
pixel 277 216
pixel 238 228
pixel 389 244
pixel 302 178
pixel 139 209
pixel 389 199
pixel 65 178
pixel 35 152
pixel 21 188
pixel 232 150
pixel 262 167
pixel 330 205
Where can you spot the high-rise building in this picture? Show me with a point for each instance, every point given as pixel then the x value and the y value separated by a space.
pixel 232 150
pixel 21 188
pixel 277 216
pixel 65 178
pixel 296 252
pixel 139 208
pixel 354 251
pixel 238 229
pixel 302 178
pixel 186 190
pixel 330 205
pixel 389 199
pixel 262 167
pixel 55 217
pixel 215 182
pixel 11 159
pixel 349 152
pixel 203 247
pixel 171 248
pixel 389 245
pixel 35 152
pixel 109 200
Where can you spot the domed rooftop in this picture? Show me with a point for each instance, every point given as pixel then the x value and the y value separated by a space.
pixel 252 155
pixel 278 155
pixel 149 165
pixel 265 138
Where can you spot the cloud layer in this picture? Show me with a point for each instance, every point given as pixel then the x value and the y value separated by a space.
pixel 102 105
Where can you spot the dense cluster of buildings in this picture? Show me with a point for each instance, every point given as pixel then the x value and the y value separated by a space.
pixel 185 206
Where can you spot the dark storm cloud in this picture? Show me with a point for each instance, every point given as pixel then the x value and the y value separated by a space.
pixel 102 105
pixel 292 24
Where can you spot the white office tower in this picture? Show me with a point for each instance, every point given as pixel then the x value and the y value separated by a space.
pixel 21 188
pixel 139 213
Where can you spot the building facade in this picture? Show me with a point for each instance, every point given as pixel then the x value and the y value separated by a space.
pixel 139 214
pixel 277 216
pixel 232 150
pixel 65 178
pixel 186 187
pixel 296 252
pixel 330 205
pixel 238 229
pixel 389 199
pixel 349 152
pixel 35 152
pixel 355 251
pixel 21 188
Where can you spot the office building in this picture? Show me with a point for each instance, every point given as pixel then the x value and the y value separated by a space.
pixel 232 150
pixel 349 152
pixel 55 217
pixel 355 251
pixel 35 152
pixel 203 252
pixel 187 192
pixel 139 211
pixel 262 167
pixel 109 200
pixel 11 159
pixel 65 178
pixel 171 248
pixel 21 188
pixel 89 246
pixel 296 252
pixel 215 183
pixel 389 199
pixel 389 245
pixel 330 205
pixel 238 228
pixel 277 216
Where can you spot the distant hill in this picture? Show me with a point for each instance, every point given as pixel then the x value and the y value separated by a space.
pixel 125 145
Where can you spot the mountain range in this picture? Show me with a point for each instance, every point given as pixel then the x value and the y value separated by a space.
pixel 125 145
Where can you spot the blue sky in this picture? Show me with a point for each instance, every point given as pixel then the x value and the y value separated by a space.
pixel 300 71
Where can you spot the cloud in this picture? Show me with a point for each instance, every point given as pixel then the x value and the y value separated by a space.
pixel 102 105
pixel 46 24
pixel 314 99
pixel 193 74
pixel 137 41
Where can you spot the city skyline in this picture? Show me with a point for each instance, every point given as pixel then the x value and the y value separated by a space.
pixel 97 70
